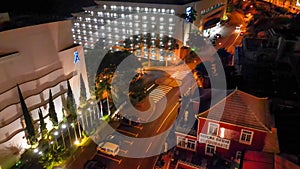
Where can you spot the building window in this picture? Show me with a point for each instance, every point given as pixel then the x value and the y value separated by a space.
pixel 213 129
pixel 238 155
pixel 210 149
pixel 246 136
pixel 186 143
pixel 191 144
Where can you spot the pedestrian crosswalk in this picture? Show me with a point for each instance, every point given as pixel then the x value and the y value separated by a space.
pixel 180 74
pixel 158 93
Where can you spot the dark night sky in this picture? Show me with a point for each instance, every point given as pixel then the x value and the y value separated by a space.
pixel 51 7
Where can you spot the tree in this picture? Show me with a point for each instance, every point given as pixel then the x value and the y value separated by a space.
pixel 71 104
pixel 43 128
pixel 30 130
pixel 52 112
pixel 82 97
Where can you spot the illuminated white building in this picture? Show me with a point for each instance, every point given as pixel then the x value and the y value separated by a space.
pixel 37 58
pixel 111 22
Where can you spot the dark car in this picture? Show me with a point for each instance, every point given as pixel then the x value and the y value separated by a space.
pixel 217 36
pixel 94 164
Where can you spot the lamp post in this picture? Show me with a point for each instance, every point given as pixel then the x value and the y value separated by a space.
pixel 55 136
pixel 76 138
pixel 63 126
pixel 68 128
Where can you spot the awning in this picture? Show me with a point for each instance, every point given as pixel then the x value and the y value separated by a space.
pixel 211 23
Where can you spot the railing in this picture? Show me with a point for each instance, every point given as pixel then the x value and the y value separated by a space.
pixel 194 166
pixel 190 131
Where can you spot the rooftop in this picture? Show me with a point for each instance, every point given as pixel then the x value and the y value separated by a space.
pixel 242 109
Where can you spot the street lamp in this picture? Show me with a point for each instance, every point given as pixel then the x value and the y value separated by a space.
pixel 55 136
pixel 72 124
pixel 63 126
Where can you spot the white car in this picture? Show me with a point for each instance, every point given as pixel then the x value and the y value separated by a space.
pixel 108 148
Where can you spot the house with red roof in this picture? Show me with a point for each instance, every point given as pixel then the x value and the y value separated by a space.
pixel 236 123
pixel 231 125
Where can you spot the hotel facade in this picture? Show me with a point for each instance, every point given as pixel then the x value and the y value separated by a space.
pixel 38 59
pixel 109 23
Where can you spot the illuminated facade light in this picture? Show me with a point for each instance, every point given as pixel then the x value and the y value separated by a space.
pixel 222 132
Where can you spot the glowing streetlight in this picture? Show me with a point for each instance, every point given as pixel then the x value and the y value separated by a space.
pixel 72 124
pixel 36 150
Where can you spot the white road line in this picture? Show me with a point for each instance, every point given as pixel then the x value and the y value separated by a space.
pixel 124 151
pixel 149 147
pixel 127 132
pixel 166 117
pixel 129 142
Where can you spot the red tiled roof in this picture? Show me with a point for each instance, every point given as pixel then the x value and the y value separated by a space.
pixel 240 108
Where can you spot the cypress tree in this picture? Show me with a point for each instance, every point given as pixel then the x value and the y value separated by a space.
pixel 71 104
pixel 52 113
pixel 30 131
pixel 43 128
pixel 82 97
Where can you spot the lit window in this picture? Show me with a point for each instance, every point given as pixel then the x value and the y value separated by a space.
pixel 210 149
pixel 238 155
pixel 186 143
pixel 213 129
pixel 222 132
pixel 246 136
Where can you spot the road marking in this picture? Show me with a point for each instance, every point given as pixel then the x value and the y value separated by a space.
pixel 139 127
pixel 138 166
pixel 116 160
pixel 127 132
pixel 129 142
pixel 124 151
pixel 149 147
pixel 166 118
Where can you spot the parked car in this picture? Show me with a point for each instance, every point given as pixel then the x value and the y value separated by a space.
pixel 108 148
pixel 94 164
